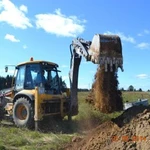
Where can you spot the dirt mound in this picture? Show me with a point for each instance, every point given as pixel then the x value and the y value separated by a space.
pixel 130 131
pixel 105 94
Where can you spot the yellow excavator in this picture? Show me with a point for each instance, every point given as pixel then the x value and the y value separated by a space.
pixel 29 100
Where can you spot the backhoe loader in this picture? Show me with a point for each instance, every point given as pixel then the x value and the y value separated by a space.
pixel 29 101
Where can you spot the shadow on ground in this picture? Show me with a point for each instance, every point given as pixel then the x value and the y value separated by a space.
pixel 67 127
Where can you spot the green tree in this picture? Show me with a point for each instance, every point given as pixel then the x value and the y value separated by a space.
pixel 63 85
pixel 131 88
pixel 5 82
pixel 122 89
pixel 140 90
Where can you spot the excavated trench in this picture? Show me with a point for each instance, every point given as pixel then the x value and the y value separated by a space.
pixel 129 131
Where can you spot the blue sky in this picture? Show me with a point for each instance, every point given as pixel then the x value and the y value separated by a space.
pixel 45 29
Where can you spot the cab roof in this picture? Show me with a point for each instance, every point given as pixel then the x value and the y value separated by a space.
pixel 37 62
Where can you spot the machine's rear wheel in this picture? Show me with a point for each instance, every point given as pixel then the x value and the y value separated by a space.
pixel 23 113
pixel 1 113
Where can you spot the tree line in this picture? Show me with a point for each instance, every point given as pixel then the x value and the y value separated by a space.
pixel 5 82
pixel 131 88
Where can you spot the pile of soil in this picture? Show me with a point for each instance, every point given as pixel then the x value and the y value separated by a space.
pixel 105 95
pixel 129 131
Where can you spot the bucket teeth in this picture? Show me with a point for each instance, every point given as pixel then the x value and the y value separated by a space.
pixel 106 50
pixel 111 64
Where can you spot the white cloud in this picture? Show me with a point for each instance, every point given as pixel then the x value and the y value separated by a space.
pixel 140 34
pixel 65 77
pixel 59 24
pixel 23 8
pixel 144 32
pixel 142 76
pixel 25 47
pixel 143 45
pixel 122 36
pixel 64 66
pixel 13 15
pixel 11 38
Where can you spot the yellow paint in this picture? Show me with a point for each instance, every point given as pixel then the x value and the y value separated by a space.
pixel 41 98
pixel 37 61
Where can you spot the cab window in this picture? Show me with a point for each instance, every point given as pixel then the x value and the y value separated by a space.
pixel 20 78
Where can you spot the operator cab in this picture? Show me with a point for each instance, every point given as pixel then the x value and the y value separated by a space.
pixel 37 74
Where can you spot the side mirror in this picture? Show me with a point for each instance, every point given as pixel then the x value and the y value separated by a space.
pixel 6 69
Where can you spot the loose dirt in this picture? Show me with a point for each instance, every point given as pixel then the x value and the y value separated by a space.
pixel 129 131
pixel 105 95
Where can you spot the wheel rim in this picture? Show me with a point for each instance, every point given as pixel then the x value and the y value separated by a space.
pixel 21 112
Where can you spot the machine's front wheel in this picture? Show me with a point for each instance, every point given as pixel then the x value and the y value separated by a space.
pixel 23 113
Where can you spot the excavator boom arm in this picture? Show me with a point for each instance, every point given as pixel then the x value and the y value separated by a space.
pixel 105 50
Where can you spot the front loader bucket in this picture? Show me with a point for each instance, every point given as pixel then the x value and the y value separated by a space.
pixel 106 50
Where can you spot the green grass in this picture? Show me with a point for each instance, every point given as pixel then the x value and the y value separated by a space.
pixel 134 96
pixel 13 138
pixel 60 132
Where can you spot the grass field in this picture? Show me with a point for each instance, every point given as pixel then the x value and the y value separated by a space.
pixel 59 133
pixel 133 96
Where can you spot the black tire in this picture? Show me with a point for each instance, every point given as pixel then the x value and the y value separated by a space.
pixel 1 113
pixel 23 113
